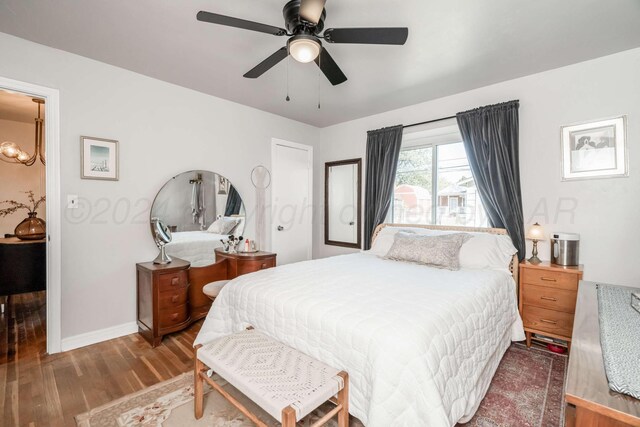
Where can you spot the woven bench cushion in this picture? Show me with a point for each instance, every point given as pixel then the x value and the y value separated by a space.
pixel 213 289
pixel 271 374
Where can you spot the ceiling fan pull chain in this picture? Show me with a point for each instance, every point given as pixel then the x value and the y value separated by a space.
pixel 288 61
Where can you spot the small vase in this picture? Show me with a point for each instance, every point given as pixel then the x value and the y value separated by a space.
pixel 32 228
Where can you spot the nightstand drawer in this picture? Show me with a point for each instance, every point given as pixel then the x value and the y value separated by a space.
pixel 170 282
pixel 173 316
pixel 551 298
pixel 556 279
pixel 542 319
pixel 255 265
pixel 172 299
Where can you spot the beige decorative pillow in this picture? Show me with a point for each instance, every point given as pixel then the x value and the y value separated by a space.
pixel 222 226
pixel 435 251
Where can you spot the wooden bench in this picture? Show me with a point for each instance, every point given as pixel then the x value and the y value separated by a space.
pixel 284 382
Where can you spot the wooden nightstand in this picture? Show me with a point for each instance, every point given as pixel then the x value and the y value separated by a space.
pixel 163 305
pixel 548 295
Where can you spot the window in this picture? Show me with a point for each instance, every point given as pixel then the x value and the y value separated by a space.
pixel 434 184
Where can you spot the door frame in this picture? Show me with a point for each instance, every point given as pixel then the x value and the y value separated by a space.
pixel 52 189
pixel 309 149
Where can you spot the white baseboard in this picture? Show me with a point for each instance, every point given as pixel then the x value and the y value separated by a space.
pixel 100 335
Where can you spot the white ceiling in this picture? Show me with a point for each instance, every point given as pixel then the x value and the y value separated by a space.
pixel 453 46
pixel 18 107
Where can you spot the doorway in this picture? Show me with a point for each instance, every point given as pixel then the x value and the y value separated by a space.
pixel 29 220
pixel 23 259
pixel 292 201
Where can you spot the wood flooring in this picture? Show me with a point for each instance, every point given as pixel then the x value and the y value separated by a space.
pixel 41 390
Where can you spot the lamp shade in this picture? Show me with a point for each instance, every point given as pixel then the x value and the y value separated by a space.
pixel 535 232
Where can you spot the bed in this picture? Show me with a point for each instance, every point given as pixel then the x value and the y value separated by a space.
pixel 197 247
pixel 421 345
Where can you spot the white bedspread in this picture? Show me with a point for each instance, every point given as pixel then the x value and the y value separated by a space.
pixel 420 344
pixel 197 247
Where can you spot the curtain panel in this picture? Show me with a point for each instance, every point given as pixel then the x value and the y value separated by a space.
pixel 490 136
pixel 234 202
pixel 383 151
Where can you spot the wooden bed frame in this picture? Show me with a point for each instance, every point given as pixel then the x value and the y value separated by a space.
pixel 513 265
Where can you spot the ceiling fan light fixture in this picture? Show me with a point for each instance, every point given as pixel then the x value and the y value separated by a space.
pixel 304 48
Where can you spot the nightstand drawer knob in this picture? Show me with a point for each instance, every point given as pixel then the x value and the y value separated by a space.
pixel 553 322
pixel 548 279
pixel 549 298
pixel 175 281
pixel 264 265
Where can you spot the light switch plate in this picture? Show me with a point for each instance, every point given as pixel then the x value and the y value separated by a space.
pixel 72 201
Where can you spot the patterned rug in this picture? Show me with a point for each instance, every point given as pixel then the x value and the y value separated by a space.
pixel 527 391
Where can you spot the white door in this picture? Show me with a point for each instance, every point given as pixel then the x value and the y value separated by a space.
pixel 291 201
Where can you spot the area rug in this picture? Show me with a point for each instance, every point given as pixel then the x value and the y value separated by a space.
pixel 526 391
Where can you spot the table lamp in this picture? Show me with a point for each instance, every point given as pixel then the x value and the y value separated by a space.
pixel 535 234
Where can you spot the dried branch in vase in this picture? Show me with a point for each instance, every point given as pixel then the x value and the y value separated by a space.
pixel 14 206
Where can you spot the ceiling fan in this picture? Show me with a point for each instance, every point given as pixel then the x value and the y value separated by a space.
pixel 304 21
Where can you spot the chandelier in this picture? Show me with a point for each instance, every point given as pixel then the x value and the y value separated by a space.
pixel 11 152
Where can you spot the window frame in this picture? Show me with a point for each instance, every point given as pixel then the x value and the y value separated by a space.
pixel 442 135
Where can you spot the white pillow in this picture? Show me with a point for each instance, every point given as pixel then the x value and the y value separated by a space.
pixel 483 251
pixel 222 226
pixel 487 251
pixel 384 240
pixel 238 221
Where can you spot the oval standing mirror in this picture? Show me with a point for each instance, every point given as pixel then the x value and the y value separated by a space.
pixel 200 208
pixel 342 195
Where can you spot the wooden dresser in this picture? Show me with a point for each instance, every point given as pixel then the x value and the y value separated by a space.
pixel 170 297
pixel 590 402
pixel 162 299
pixel 548 295
pixel 242 263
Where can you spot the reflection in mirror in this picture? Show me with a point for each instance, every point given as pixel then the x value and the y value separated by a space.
pixel 200 208
pixel 342 198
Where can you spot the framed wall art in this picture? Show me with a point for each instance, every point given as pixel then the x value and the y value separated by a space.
pixel 99 158
pixel 596 149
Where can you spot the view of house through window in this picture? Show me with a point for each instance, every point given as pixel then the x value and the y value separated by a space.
pixel 434 184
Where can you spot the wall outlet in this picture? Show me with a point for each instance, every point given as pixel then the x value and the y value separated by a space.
pixel 72 201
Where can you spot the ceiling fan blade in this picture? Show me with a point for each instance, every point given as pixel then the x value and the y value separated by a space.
pixel 267 64
pixel 330 68
pixel 311 10
pixel 214 18
pixel 396 36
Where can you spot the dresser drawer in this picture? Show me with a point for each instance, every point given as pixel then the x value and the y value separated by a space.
pixel 542 319
pixel 245 267
pixel 171 282
pixel 556 279
pixel 547 297
pixel 172 316
pixel 172 298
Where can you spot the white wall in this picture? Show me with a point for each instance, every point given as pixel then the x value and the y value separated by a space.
pixel 603 211
pixel 163 129
pixel 15 179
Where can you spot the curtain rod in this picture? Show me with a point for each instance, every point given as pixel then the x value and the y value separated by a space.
pixel 429 121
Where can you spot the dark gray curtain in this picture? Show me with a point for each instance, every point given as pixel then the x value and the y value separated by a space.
pixel 383 150
pixel 234 202
pixel 490 136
